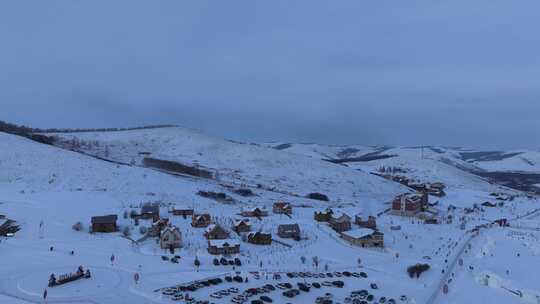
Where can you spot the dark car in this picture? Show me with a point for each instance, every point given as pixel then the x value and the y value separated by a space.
pixel 231 262
pixel 237 262
pixel 290 275
pixel 346 273
pixel 373 286
pixel 303 287
pixel 329 274
pixel 363 275
pixel 238 279
pixel 257 302
pixel 338 284
pixel 228 279
pixel 270 287
pixel 223 261
pixel 316 285
pixel 266 299
pixel 291 293
pixel 216 262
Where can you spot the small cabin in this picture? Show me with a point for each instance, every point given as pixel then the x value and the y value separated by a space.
pixel 225 247
pixel 106 223
pixel 254 212
pixel 282 208
pixel 150 211
pixel 259 238
pixel 289 231
pixel 370 223
pixel 185 212
pixel 241 226
pixel 341 222
pixel 201 220
pixel 216 232
pixel 323 216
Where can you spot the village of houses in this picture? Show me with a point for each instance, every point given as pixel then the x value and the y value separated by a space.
pixel 224 236
pixel 282 238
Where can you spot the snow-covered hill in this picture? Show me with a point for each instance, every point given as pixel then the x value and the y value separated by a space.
pixel 239 163
pixel 46 189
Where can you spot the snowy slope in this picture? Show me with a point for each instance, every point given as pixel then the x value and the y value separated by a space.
pixel 241 163
pixel 524 161
pixel 430 164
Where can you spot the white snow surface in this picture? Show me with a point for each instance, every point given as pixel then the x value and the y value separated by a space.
pixel 56 187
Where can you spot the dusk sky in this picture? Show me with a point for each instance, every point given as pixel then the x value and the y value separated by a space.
pixel 456 73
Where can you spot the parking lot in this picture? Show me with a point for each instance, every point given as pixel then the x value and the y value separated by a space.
pixel 292 287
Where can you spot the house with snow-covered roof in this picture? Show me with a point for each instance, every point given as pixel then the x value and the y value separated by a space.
pixel 364 237
pixel 170 238
pixel 216 232
pixel 223 247
pixel 340 222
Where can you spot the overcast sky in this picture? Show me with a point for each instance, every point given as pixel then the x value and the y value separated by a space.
pixel 460 72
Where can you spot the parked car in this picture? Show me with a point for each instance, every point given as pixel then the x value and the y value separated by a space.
pixel 373 286
pixel 338 284
pixel 266 299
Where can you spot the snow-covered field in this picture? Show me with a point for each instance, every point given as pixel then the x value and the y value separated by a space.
pixel 47 189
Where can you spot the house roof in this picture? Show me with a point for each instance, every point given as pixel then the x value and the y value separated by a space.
pixel 204 216
pixel 341 217
pixel 359 233
pixel 282 205
pixel 150 209
pixel 214 227
pixel 172 229
pixel 289 228
pixel 241 222
pixel 223 243
pixel 253 234
pixel 105 219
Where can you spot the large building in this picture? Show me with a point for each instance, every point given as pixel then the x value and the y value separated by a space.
pixel 409 204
